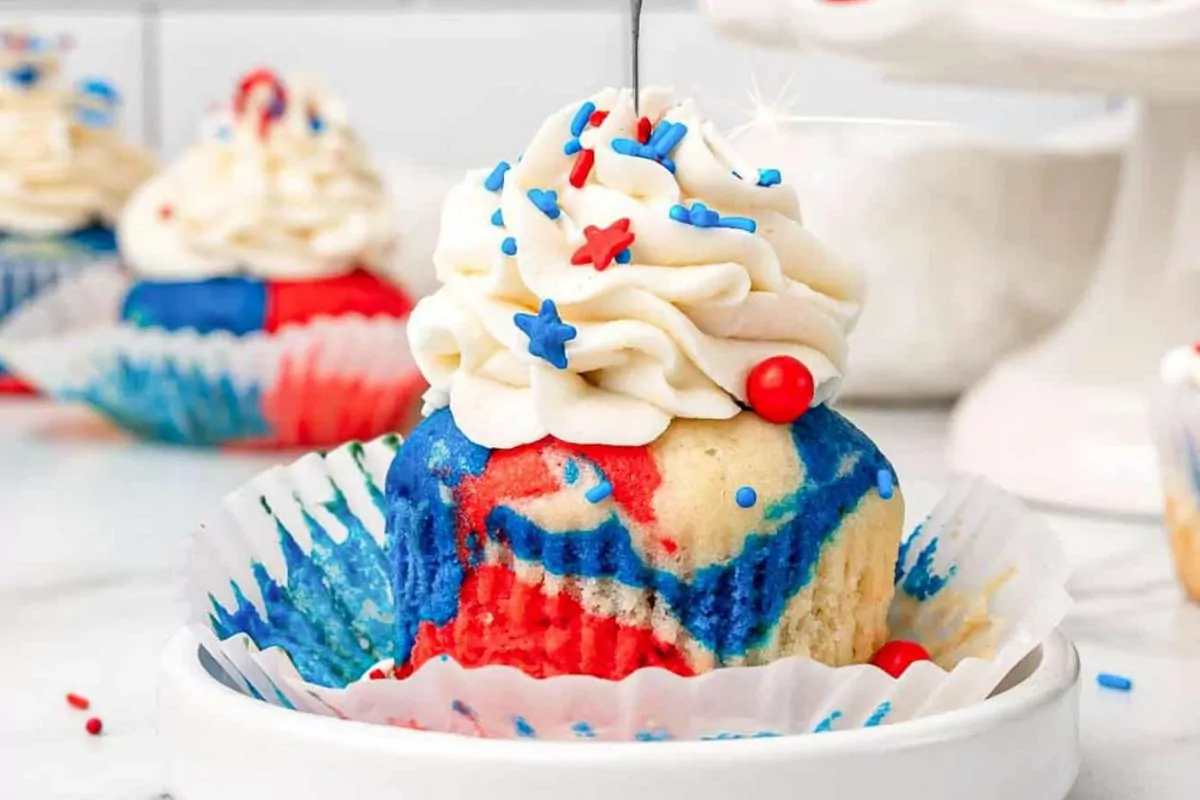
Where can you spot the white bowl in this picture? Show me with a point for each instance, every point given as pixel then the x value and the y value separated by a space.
pixel 1021 743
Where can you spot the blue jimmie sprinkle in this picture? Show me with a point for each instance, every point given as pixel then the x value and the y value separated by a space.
pixel 523 728
pixel 463 710
pixel 547 333
pixel 769 177
pixel 509 246
pixel 583 730
pixel 24 76
pixel 667 135
pixel 625 256
pixel 571 472
pixel 826 725
pixel 878 715
pixel 498 218
pixel 884 484
pixel 580 120
pixel 746 497
pixel 546 202
pixel 701 216
pixel 1117 683
pixel 316 123
pixel 495 181
pixel 572 147
pixel 600 492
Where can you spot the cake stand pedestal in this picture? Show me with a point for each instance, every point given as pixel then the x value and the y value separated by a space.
pixel 1064 422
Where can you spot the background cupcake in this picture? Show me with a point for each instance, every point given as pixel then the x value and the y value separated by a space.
pixel 65 171
pixel 1177 423
pixel 256 312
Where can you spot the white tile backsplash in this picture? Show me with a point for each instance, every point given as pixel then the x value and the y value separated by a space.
pixel 457 83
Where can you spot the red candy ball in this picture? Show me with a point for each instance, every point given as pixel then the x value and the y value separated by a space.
pixel 780 389
pixel 898 655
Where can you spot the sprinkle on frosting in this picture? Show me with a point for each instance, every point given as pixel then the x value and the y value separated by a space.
pixel 548 334
pixel 546 201
pixel 599 493
pixel 498 218
pixel 582 117
pixel 495 180
pixel 675 333
pixel 604 244
pixel 701 216
pixel 769 177
pixel 884 482
pixel 509 246
pixel 658 147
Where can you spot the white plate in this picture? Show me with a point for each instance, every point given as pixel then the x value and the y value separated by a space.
pixel 1021 743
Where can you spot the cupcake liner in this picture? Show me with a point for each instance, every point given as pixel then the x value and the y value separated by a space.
pixel 290 591
pixel 317 384
pixel 23 278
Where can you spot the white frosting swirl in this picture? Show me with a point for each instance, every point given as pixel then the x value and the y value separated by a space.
pixel 291 197
pixel 58 174
pixel 673 333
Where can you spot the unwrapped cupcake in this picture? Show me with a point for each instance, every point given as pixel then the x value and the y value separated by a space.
pixel 65 171
pixel 256 313
pixel 629 513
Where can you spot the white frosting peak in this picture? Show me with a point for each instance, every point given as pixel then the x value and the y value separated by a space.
pixel 673 332
pixel 1181 367
pixel 280 187
pixel 63 163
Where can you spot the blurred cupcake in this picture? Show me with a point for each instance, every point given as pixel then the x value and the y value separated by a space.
pixel 1177 423
pixel 256 313
pixel 65 171
pixel 631 463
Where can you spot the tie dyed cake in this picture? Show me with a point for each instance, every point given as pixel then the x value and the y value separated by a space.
pixel 627 459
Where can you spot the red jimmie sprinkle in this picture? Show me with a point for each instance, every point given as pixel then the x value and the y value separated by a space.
pixel 94 726
pixel 582 168
pixel 165 212
pixel 597 118
pixel 643 130
pixel 377 674
pixel 78 701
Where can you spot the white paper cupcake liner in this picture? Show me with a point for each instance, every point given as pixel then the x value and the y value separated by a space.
pixel 315 384
pixel 290 586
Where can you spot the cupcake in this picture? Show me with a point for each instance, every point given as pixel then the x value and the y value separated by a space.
pixel 1177 423
pixel 65 171
pixel 255 311
pixel 628 458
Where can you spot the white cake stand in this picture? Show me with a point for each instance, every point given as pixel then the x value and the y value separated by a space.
pixel 1066 421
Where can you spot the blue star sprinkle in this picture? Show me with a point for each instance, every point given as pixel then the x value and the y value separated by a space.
pixel 769 177
pixel 495 181
pixel 509 246
pixel 664 139
pixel 701 216
pixel 498 218
pixel 547 333
pixel 546 201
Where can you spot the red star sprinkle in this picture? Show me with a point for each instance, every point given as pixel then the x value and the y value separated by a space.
pixel 603 244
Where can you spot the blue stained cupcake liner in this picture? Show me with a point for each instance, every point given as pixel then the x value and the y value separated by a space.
pixel 259 390
pixel 291 594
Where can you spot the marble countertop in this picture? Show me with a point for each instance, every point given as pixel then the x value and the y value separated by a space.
pixel 93 530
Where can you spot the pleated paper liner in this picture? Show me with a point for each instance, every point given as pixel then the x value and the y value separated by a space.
pixel 291 585
pixel 317 384
pixel 1175 414
pixel 24 278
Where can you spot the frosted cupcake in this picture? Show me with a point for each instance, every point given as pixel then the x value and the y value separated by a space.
pixel 65 171
pixel 255 312
pixel 1177 423
pixel 628 460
